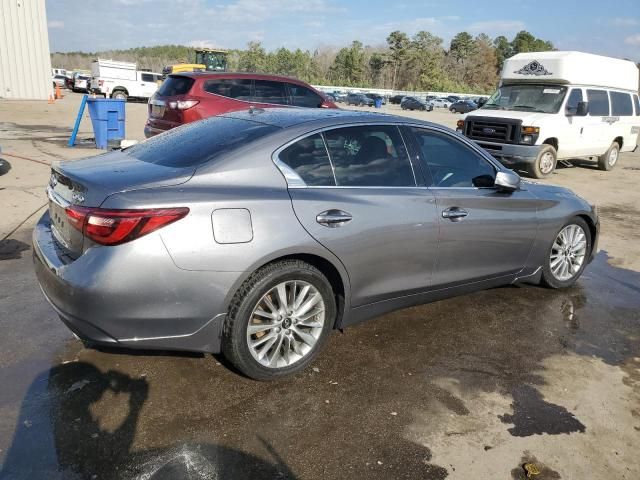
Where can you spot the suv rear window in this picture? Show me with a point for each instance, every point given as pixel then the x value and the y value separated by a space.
pixel 198 142
pixel 175 85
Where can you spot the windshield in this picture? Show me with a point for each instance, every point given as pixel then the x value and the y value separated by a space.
pixel 527 98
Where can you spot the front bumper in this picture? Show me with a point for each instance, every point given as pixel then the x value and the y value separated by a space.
pixel 511 154
pixel 134 297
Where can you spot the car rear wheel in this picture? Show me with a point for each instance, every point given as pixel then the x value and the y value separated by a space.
pixel 279 320
pixel 453 110
pixel 610 158
pixel 568 255
pixel 544 164
pixel 119 95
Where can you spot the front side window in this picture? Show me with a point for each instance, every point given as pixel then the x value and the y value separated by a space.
pixel 267 91
pixel 237 88
pixel 621 105
pixel 308 158
pixel 451 163
pixel 637 104
pixel 147 77
pixel 369 156
pixel 303 97
pixel 527 98
pixel 575 97
pixel 598 103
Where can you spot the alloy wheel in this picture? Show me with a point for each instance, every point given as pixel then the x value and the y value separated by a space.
pixel 568 252
pixel 286 324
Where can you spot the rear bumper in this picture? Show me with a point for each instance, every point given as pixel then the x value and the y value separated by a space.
pixel 150 131
pixel 134 298
pixel 511 154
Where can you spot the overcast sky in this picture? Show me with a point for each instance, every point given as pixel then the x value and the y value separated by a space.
pixel 610 27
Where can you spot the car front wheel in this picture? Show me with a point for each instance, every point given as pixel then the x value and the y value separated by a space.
pixel 544 164
pixel 568 255
pixel 279 320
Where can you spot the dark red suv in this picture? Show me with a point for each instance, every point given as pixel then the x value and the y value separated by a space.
pixel 187 97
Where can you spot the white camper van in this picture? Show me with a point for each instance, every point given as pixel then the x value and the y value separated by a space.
pixel 554 106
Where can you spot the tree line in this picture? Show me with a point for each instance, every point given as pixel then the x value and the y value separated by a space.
pixel 418 62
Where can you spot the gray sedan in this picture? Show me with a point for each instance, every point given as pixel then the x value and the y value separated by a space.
pixel 257 233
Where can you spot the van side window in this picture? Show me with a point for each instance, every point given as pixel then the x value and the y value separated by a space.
pixel 598 103
pixel 637 103
pixel 621 105
pixel 575 97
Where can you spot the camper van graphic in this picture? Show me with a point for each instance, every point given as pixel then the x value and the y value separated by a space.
pixel 533 68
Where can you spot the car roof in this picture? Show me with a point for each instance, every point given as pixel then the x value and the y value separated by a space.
pixel 291 116
pixel 254 76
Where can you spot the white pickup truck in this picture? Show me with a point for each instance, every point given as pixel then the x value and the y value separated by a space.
pixel 122 80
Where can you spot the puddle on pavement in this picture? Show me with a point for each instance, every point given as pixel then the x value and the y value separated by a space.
pixel 139 414
pixel 11 249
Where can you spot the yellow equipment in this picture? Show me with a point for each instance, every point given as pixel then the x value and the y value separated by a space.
pixel 207 60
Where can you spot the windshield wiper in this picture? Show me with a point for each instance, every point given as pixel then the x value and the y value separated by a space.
pixel 528 107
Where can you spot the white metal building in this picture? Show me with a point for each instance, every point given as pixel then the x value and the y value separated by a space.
pixel 25 64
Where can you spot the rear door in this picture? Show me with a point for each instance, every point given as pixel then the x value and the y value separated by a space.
pixel 355 190
pixel 596 135
pixel 483 233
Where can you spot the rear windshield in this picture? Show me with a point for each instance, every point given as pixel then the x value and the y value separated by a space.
pixel 175 86
pixel 198 142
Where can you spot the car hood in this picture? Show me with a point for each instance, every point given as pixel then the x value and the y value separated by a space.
pixel 528 118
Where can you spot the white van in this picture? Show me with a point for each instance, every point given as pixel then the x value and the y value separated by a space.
pixel 554 106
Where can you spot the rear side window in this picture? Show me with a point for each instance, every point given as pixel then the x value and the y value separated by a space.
pixel 637 104
pixel 575 97
pixel 175 86
pixel 309 159
pixel 369 156
pixel 303 97
pixel 451 163
pixel 621 105
pixel 199 142
pixel 237 88
pixel 598 103
pixel 267 91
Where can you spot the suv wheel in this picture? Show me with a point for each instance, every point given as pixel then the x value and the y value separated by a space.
pixel 119 95
pixel 278 320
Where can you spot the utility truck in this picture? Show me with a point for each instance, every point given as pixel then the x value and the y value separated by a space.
pixel 122 80
pixel 553 106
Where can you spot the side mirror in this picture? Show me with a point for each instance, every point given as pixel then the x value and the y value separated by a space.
pixel 507 181
pixel 583 109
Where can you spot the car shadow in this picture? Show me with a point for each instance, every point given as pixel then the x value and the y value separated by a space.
pixel 61 434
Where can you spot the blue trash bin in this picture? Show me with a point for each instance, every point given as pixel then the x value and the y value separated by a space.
pixel 107 118
pixel 378 102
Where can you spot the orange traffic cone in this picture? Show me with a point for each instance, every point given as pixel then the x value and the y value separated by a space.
pixel 58 92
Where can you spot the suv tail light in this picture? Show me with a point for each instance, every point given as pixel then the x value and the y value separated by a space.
pixel 182 104
pixel 113 227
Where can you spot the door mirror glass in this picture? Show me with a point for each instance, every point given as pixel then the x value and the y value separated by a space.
pixel 583 109
pixel 507 181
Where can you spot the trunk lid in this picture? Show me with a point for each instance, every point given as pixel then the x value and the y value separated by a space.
pixel 90 181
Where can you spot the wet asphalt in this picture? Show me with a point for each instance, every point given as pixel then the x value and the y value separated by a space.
pixel 67 412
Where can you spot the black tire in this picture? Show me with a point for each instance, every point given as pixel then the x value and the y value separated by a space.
pixel 540 167
pixel 119 94
pixel 548 279
pixel 453 110
pixel 606 162
pixel 423 108
pixel 234 338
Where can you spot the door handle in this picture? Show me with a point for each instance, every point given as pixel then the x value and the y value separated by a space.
pixel 454 214
pixel 333 218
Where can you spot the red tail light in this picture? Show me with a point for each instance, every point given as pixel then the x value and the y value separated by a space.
pixel 183 104
pixel 113 227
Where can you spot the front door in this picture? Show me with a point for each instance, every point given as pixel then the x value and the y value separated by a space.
pixel 356 193
pixel 483 233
